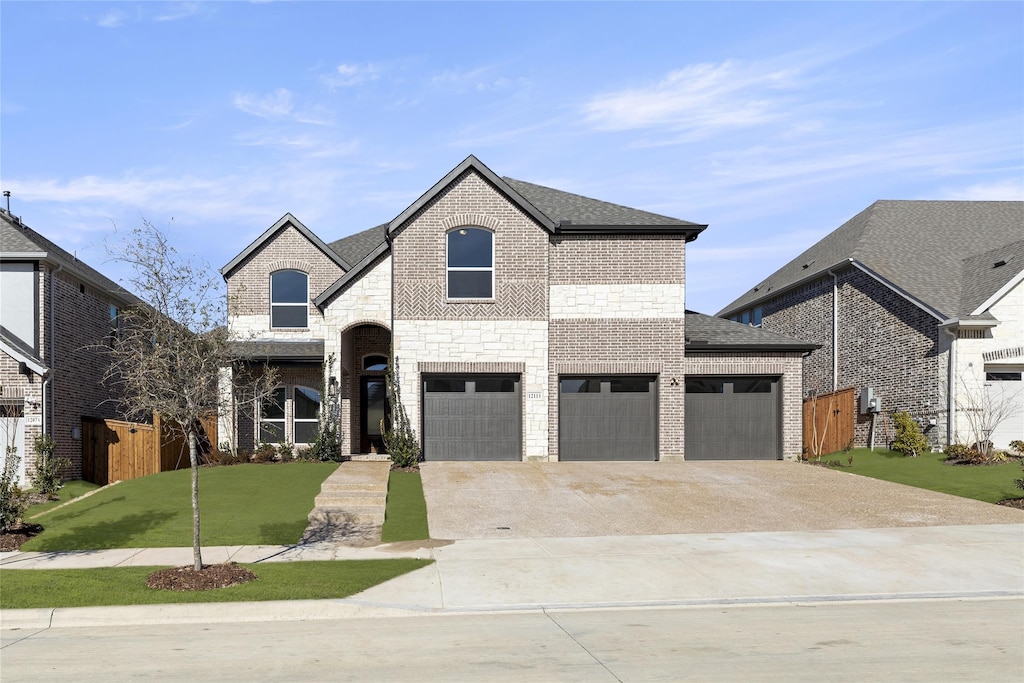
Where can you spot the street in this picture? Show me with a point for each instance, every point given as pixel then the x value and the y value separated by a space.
pixel 949 639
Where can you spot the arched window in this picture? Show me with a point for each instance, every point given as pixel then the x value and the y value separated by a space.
pixel 470 264
pixel 306 421
pixel 375 363
pixel 289 299
pixel 272 417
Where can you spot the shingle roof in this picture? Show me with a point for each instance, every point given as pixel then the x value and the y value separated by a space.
pixel 17 239
pixel 982 277
pixel 708 333
pixel 569 208
pixel 354 248
pixel 919 247
pixel 261 349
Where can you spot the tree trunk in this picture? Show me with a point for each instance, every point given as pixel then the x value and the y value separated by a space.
pixel 193 455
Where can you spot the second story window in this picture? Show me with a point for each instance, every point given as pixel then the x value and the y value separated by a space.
pixel 470 264
pixel 289 299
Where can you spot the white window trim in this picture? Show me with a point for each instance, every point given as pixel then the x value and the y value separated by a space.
pixel 304 305
pixel 304 420
pixel 283 420
pixel 461 269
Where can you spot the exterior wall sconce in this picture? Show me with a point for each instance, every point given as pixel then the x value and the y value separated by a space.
pixel 332 386
pixel 673 382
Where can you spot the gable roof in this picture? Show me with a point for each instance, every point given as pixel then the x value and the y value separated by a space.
pixel 282 223
pixel 573 212
pixel 916 247
pixel 20 242
pixel 708 333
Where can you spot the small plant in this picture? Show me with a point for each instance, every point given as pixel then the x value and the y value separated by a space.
pixel 958 452
pixel 47 479
pixel 399 437
pixel 223 457
pixel 286 452
pixel 265 452
pixel 909 439
pixel 848 447
pixel 13 500
pixel 1018 446
pixel 1020 482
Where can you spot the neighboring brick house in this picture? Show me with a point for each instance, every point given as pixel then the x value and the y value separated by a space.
pixel 920 301
pixel 527 324
pixel 54 311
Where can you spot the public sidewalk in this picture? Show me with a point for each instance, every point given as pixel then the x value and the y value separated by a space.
pixel 485 575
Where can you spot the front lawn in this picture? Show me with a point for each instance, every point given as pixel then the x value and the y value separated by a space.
pixel 239 505
pixel 69 491
pixel 406 518
pixel 990 483
pixel 23 588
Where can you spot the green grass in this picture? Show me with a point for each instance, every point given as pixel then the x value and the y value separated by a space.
pixel 69 491
pixel 239 505
pixel 23 588
pixel 989 483
pixel 406 516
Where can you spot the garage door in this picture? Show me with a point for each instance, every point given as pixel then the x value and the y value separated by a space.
pixel 607 418
pixel 733 418
pixel 472 417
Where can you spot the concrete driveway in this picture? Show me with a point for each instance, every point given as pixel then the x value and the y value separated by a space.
pixel 563 499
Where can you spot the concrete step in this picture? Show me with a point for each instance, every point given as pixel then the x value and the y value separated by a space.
pixel 369 514
pixel 341 499
pixel 354 484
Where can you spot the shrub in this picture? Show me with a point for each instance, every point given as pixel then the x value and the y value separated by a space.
pixel 224 457
pixel 286 452
pixel 46 480
pixel 13 500
pixel 1018 446
pixel 265 452
pixel 909 439
pixel 958 452
pixel 399 437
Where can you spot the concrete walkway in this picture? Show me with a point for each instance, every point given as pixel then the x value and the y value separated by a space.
pixel 485 575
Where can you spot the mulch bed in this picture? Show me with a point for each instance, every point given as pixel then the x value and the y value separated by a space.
pixel 12 540
pixel 1013 503
pixel 209 577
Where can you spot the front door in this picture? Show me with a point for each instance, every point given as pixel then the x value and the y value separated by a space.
pixel 373 409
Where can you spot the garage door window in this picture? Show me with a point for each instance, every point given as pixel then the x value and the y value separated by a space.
pixel 445 386
pixel 705 386
pixel 495 386
pixel 752 386
pixel 581 386
pixel 630 385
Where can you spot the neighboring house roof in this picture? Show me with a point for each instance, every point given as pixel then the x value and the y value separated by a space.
pixel 282 223
pixel 20 242
pixel 708 333
pixel 919 248
pixel 988 274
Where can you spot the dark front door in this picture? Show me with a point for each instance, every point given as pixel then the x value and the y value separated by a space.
pixel 373 408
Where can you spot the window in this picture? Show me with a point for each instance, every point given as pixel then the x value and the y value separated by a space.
pixel 272 417
pixel 306 422
pixel 1002 376
pixel 289 299
pixel 375 363
pixel 470 264
pixel 751 316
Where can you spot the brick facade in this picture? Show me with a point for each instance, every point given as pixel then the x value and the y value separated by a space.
pixel 885 342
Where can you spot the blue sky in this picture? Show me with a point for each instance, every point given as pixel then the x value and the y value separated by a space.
pixel 772 122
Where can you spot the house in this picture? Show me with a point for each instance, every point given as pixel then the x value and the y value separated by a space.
pixel 525 323
pixel 54 310
pixel 917 304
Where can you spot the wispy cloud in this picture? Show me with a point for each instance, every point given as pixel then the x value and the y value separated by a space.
pixel 1008 189
pixel 701 97
pixel 113 19
pixel 275 105
pixel 178 10
pixel 348 75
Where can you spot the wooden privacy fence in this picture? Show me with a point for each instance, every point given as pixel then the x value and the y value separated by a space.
pixel 114 450
pixel 828 422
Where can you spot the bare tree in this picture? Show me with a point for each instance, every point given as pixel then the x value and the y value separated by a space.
pixel 167 352
pixel 984 411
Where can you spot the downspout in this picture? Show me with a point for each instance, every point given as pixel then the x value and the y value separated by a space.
pixel 835 330
pixel 951 385
pixel 52 356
